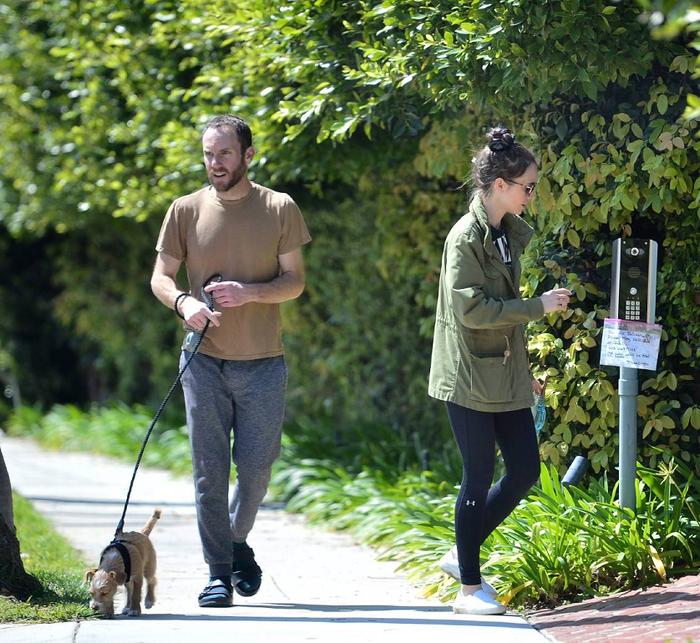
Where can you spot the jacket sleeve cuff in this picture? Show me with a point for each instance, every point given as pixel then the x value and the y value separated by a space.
pixel 535 308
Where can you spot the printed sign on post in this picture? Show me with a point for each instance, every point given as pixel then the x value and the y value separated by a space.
pixel 630 344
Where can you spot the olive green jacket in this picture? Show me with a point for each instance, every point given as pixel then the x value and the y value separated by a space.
pixel 480 358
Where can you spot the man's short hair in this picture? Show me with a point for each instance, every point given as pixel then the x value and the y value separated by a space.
pixel 237 124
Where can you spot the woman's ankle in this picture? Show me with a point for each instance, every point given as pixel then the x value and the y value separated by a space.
pixel 470 589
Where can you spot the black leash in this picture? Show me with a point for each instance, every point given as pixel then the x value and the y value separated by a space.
pixel 210 303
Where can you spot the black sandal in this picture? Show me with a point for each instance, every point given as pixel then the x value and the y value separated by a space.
pixel 216 594
pixel 247 575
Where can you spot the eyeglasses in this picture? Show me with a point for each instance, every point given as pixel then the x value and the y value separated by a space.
pixel 529 188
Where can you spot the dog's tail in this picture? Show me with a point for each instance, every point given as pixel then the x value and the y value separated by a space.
pixel 148 527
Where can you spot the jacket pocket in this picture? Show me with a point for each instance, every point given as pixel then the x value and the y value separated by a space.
pixel 488 342
pixel 491 379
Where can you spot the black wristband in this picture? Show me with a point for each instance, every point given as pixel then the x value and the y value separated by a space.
pixel 182 295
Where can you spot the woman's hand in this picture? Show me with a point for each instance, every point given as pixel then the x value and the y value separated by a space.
pixel 539 387
pixel 556 300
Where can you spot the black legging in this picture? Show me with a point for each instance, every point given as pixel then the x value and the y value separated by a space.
pixel 479 510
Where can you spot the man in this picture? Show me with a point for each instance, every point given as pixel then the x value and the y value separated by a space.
pixel 252 237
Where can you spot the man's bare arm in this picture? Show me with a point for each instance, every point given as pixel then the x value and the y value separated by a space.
pixel 288 285
pixel 164 287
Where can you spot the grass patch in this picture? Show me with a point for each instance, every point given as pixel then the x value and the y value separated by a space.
pixel 59 568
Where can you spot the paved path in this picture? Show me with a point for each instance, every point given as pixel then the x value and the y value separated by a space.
pixel 668 613
pixel 317 585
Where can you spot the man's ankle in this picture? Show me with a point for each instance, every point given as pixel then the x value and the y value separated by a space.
pixel 226 580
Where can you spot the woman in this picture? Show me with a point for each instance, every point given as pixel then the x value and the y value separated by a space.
pixel 479 364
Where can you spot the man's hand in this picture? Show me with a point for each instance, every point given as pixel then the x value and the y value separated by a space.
pixel 230 293
pixel 196 313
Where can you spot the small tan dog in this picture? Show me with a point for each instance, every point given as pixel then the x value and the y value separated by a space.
pixel 128 560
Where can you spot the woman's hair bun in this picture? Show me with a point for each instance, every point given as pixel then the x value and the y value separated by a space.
pixel 502 157
pixel 500 139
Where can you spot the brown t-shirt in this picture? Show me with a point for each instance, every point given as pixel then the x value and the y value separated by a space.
pixel 241 240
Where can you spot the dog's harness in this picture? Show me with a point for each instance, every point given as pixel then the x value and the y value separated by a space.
pixel 123 551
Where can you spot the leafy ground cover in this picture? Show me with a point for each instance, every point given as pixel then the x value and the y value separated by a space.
pixel 561 544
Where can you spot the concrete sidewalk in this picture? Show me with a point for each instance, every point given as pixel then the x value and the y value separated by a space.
pixel 317 585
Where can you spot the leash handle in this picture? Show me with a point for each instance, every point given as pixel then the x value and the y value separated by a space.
pixel 207 297
pixel 194 338
pixel 209 300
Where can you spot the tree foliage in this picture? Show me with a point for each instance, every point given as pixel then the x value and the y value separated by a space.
pixel 368 113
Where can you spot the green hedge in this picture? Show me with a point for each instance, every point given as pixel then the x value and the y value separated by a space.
pixel 368 113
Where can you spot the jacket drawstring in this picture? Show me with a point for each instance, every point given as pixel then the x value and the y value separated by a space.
pixel 506 353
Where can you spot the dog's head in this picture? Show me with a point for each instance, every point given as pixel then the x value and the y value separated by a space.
pixel 103 587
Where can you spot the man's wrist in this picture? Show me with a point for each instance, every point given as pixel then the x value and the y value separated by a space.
pixel 176 304
pixel 253 293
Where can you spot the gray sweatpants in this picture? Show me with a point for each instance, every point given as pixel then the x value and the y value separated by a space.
pixel 246 397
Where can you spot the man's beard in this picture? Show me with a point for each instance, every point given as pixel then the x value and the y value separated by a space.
pixel 233 181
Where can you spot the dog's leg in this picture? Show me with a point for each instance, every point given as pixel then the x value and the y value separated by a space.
pixel 134 602
pixel 129 589
pixel 150 592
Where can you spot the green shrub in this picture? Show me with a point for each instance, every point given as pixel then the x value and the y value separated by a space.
pixel 561 544
pixel 116 431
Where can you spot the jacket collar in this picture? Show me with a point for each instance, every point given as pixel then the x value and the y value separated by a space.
pixel 519 232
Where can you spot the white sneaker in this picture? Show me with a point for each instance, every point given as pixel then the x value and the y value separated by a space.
pixel 449 564
pixel 477 603
pixel 488 589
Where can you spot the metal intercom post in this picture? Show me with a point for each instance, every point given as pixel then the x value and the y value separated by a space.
pixel 633 298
